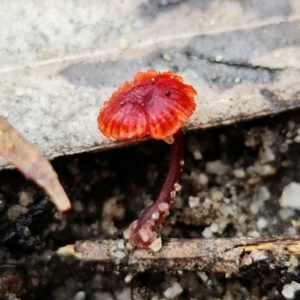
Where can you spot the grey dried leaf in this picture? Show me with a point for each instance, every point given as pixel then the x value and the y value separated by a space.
pixel 29 160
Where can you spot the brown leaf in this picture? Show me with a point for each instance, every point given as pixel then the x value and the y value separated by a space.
pixel 29 160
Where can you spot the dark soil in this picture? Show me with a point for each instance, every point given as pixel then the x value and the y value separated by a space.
pixel 231 183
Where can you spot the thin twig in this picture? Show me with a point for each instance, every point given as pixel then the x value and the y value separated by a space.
pixel 230 256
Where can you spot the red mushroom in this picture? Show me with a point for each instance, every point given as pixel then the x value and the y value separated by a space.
pixel 156 104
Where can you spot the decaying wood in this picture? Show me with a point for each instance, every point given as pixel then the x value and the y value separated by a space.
pixel 230 256
pixel 29 160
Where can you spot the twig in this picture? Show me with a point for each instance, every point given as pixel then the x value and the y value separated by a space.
pixel 230 256
pixel 29 160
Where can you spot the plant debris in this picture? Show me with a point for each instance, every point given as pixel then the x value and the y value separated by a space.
pixel 29 161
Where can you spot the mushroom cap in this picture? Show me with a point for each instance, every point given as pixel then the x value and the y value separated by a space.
pixel 154 103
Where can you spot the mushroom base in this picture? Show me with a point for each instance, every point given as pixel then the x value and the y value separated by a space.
pixel 142 232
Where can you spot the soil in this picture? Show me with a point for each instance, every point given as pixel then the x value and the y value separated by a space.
pixel 232 180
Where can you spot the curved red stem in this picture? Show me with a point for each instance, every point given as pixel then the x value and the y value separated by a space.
pixel 142 232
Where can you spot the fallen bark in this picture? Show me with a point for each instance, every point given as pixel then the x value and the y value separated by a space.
pixel 231 256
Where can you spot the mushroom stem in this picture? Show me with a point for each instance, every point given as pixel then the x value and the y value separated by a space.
pixel 142 232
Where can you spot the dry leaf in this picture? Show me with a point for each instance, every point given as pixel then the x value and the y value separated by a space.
pixel 29 160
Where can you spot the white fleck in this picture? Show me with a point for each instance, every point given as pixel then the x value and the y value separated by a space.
pixel 119 254
pixel 266 155
pixel 297 139
pixel 194 201
pixel 237 80
pixel 155 215
pixel 128 278
pixel 239 173
pixel 254 207
pixel 203 276
pixel 207 233
pixel 288 291
pixel 197 154
pixel 254 234
pixel 217 195
pixel 262 223
pixel 167 57
pixel 219 58
pixel 226 210
pixel 294 261
pixel 291 196
pixel 215 167
pixel 203 179
pixel 80 296
pixel 292 231
pixel 156 245
pixel 261 169
pixel 263 194
pixel 285 213
pixel 120 244
pixel 214 227
pixel 206 204
pixel 173 291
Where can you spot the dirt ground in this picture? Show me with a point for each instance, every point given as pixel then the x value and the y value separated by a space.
pixel 231 182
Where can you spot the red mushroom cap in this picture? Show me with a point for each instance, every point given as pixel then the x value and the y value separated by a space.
pixel 154 103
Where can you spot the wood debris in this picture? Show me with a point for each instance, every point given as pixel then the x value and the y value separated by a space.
pixel 230 256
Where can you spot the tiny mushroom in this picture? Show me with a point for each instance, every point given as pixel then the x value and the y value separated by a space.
pixel 156 104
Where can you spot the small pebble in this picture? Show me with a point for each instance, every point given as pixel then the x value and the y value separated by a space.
pixel 80 296
pixel 194 201
pixel 197 154
pixel 15 211
pixel 77 206
pixel 173 291
pixel 25 199
pixel 119 254
pixel 239 173
pixel 203 179
pixel 215 167
pixel 289 290
pixel 156 245
pixel 167 57
pixel 263 194
pixel 285 213
pixel 203 276
pixel 291 196
pixel 217 195
pixel 128 278
pixel 207 233
pixel 266 155
pixel 262 223
pixel 214 227
pixel 254 234
pixel 297 139
pixel 226 210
